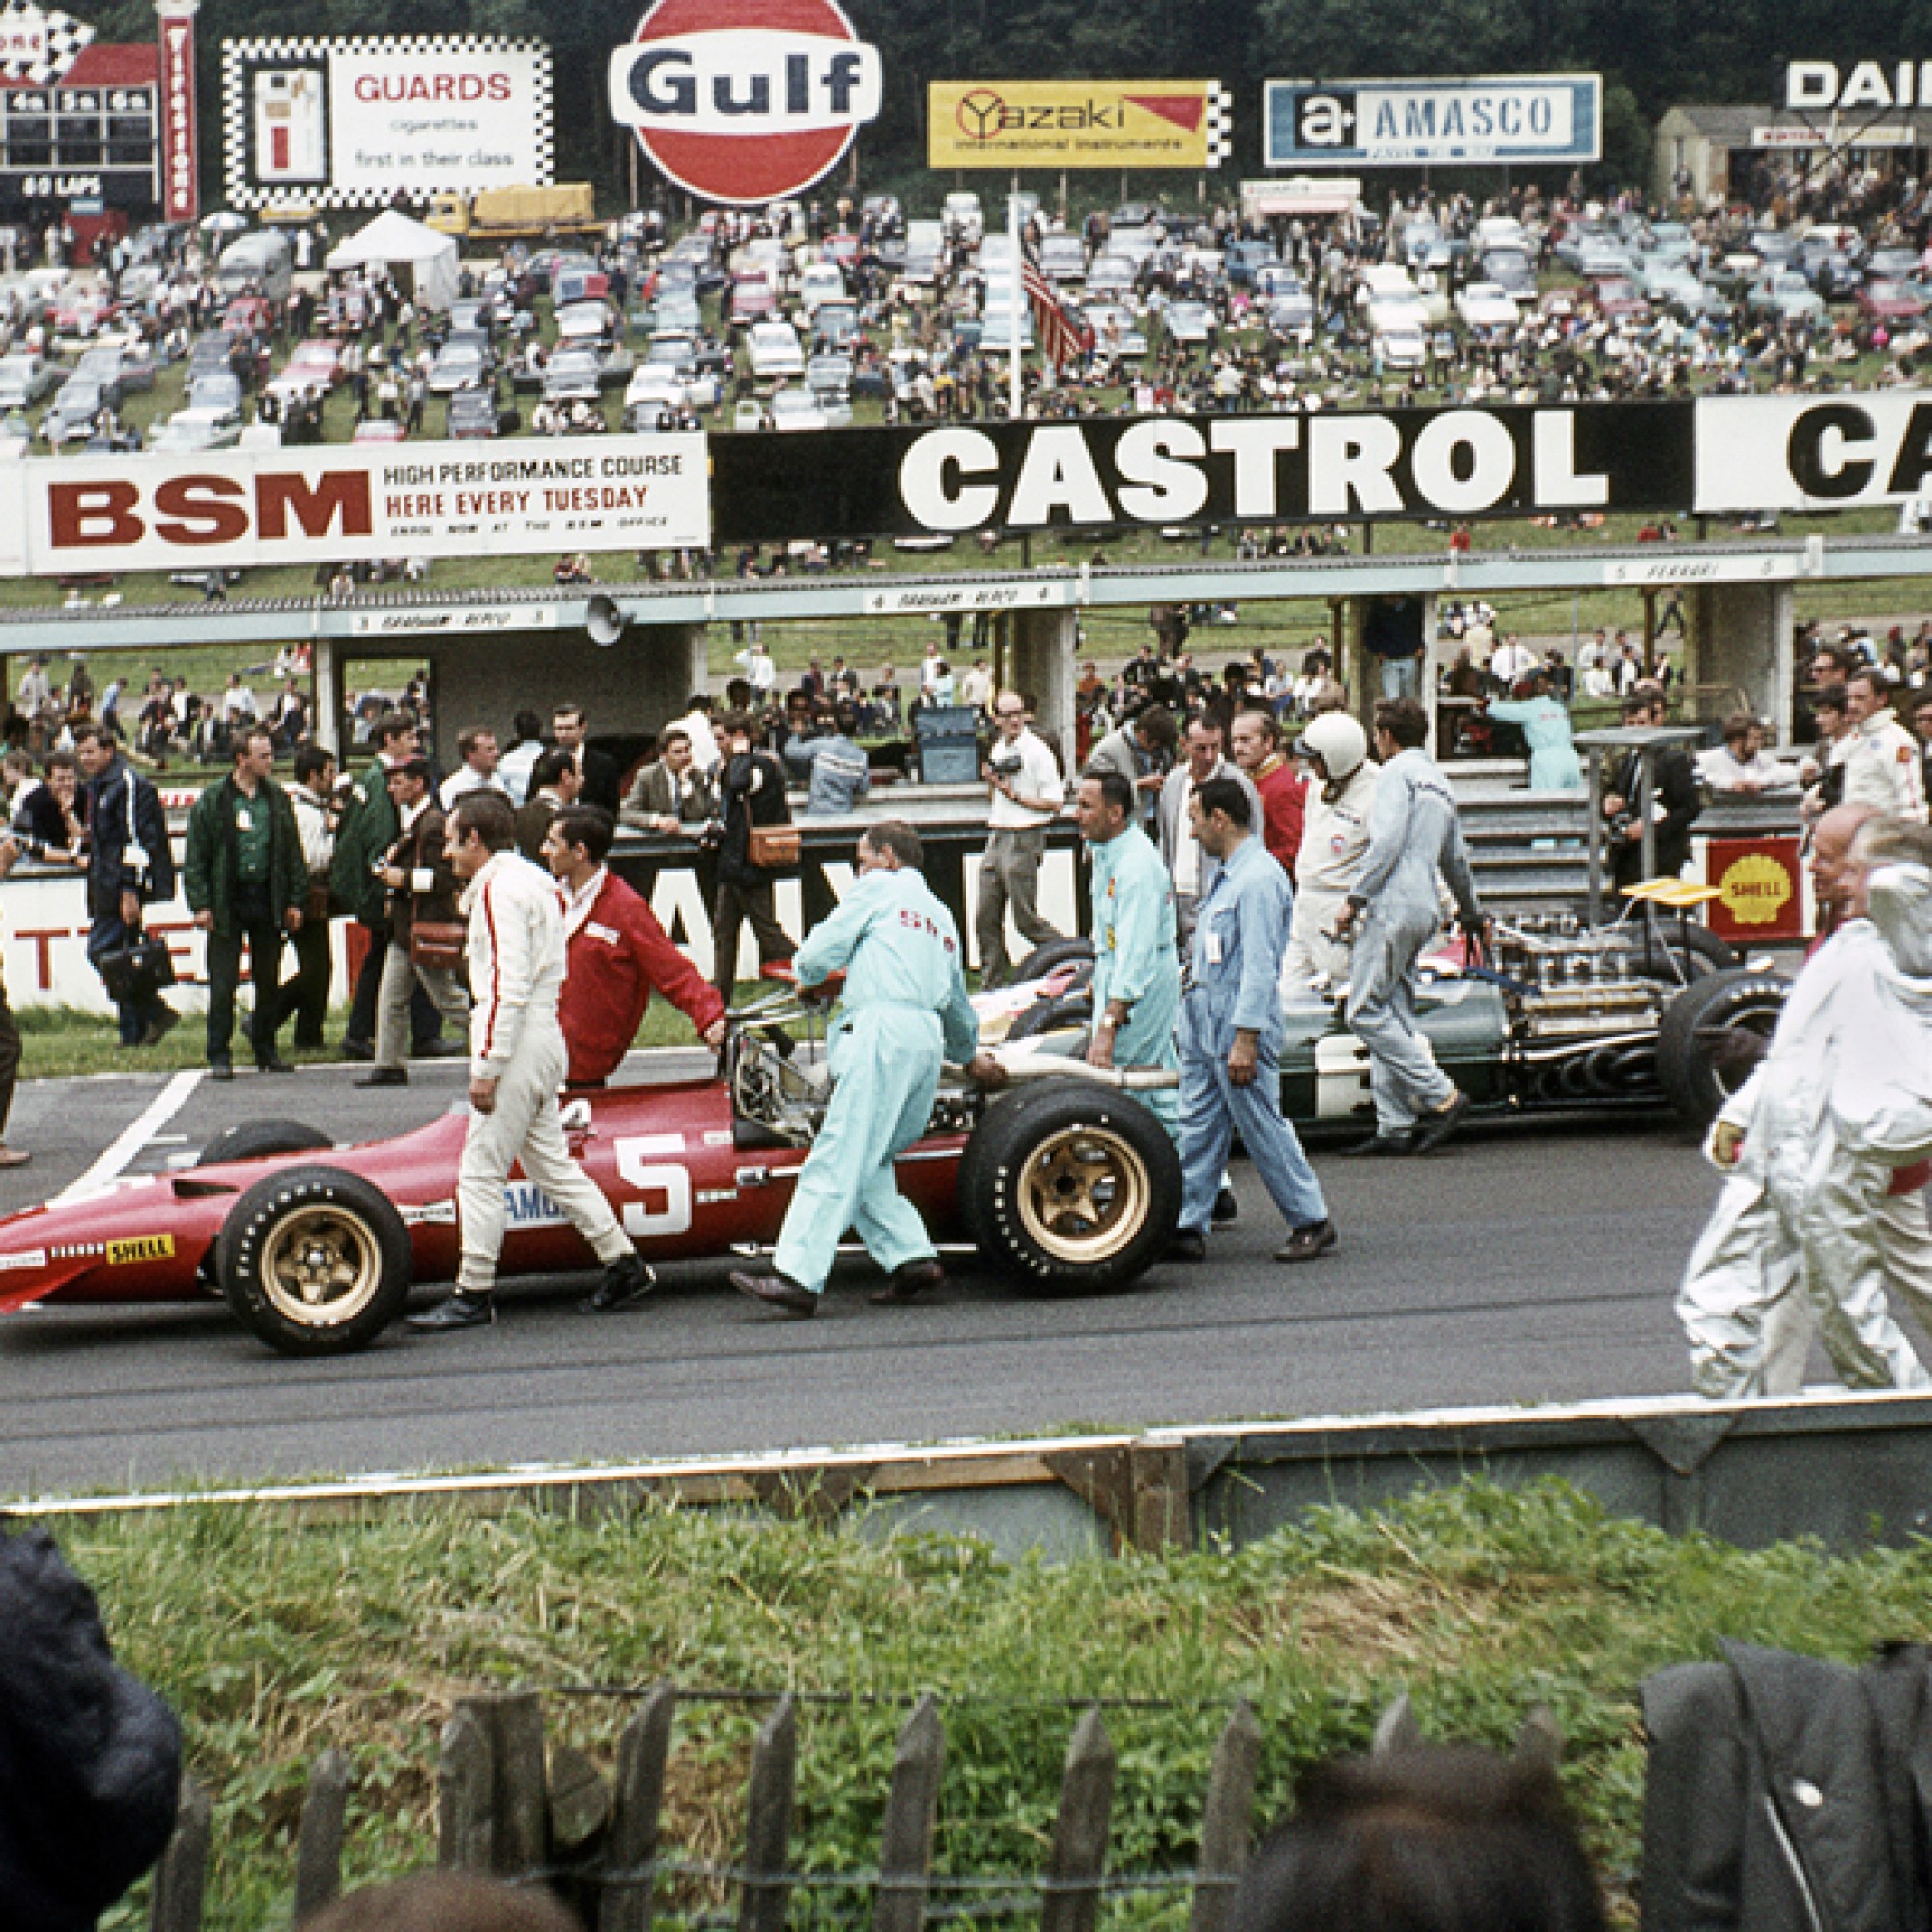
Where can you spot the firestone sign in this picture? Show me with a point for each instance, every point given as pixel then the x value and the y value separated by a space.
pixel 744 101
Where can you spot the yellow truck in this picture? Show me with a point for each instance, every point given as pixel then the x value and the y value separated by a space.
pixel 517 214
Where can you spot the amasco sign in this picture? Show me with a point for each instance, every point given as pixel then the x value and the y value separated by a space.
pixel 744 101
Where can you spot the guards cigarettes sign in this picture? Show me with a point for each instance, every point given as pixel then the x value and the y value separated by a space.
pixel 431 499
pixel 359 123
pixel 1076 124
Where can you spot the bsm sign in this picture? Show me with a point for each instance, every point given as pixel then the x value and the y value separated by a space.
pixel 744 101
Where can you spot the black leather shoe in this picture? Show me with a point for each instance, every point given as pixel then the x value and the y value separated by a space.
pixel 907 1283
pixel 776 1291
pixel 384 1076
pixel 1303 1245
pixel 220 1069
pixel 1225 1208
pixel 1189 1245
pixel 358 1049
pixel 1384 1144
pixel 1435 1129
pixel 626 1280
pixel 459 1311
pixel 274 1064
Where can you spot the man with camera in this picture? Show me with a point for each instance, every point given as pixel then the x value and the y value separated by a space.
pixel 751 793
pixel 1027 792
pixel 425 927
pixel 246 880
pixel 130 865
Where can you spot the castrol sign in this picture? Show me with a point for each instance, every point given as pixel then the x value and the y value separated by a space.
pixel 744 101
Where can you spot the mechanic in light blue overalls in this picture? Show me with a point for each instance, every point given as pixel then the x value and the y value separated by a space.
pixel 905 1010
pixel 1416 843
pixel 1230 1035
pixel 1136 984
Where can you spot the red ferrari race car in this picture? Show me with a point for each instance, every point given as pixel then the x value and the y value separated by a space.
pixel 1062 1181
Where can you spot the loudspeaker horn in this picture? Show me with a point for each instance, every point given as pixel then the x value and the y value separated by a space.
pixel 604 619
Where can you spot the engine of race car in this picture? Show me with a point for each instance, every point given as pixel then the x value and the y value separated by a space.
pixel 782 1095
pixel 1573 981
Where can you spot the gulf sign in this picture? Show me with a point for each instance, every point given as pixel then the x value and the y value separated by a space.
pixel 1522 118
pixel 1076 124
pixel 430 499
pixel 744 101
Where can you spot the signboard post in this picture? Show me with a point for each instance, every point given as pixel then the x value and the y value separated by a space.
pixel 1521 120
pixel 181 177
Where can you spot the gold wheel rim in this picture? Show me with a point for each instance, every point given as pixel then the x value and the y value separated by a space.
pixel 321 1267
pixel 1084 1195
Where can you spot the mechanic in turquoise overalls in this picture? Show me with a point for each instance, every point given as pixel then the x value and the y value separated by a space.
pixel 904 1008
pixel 1553 765
pixel 1136 974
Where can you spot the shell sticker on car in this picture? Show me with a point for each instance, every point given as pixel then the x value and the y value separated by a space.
pixel 140 1248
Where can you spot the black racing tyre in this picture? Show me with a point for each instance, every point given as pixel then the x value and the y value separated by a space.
pixel 315 1261
pixel 1042 959
pixel 1070 1188
pixel 1070 1009
pixel 1680 954
pixel 255 1140
pixel 1713 1032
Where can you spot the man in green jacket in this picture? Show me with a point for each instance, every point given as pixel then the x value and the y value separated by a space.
pixel 246 880
pixel 369 828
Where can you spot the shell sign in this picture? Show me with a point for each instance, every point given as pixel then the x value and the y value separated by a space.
pixel 1759 880
pixel 744 101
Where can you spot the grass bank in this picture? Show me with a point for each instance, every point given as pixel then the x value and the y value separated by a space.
pixel 1481 1603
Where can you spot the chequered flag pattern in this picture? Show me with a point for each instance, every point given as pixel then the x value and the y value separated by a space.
pixel 67 36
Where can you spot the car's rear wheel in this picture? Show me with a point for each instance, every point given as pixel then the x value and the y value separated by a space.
pixel 1713 1034
pixel 256 1140
pixel 1069 1189
pixel 1680 954
pixel 315 1261
pixel 1044 959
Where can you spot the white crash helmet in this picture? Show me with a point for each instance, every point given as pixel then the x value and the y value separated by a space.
pixel 1899 902
pixel 1340 742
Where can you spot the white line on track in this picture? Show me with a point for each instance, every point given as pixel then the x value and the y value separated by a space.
pixel 129 1142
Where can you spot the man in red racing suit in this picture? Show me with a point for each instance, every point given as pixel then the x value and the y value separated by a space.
pixel 618 954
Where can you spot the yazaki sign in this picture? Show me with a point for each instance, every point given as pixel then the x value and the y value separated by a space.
pixel 744 101
pixel 430 499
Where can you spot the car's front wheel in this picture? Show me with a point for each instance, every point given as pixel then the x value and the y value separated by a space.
pixel 315 1261
pixel 1069 1189
pixel 1712 1038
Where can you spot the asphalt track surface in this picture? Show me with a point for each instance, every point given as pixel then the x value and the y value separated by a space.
pixel 1523 1263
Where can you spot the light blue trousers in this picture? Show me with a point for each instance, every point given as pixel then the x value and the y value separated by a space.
pixel 1212 1108
pixel 1403 1077
pixel 885 1062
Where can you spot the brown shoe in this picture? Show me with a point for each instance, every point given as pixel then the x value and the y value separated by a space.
pixel 907 1283
pixel 1432 1129
pixel 1305 1243
pixel 776 1292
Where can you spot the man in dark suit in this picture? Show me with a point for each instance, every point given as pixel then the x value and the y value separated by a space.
pixel 1673 804
pixel 601 779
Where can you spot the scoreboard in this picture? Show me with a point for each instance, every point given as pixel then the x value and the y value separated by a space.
pixel 82 144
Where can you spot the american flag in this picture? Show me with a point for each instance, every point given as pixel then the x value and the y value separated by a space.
pixel 1061 338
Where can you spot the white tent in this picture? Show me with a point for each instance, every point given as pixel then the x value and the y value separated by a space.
pixel 395 241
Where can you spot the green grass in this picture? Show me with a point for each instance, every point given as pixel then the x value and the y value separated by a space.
pixel 274 1643
pixel 60 1042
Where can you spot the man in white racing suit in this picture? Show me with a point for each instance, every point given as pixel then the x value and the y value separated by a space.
pixel 1334 844
pixel 517 1062
pixel 1811 1145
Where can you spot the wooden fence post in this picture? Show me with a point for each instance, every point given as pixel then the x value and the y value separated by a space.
pixel 912 1810
pixel 1226 1818
pixel 1072 1901
pixel 181 1876
pixel 631 1851
pixel 520 1785
pixel 318 1842
pixel 465 1828
pixel 767 1893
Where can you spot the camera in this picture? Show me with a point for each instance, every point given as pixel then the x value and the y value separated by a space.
pixel 1006 764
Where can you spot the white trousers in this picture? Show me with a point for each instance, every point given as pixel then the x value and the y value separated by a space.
pixel 527 1125
pixel 1760 1283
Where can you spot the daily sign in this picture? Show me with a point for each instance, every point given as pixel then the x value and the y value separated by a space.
pixel 1324 465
